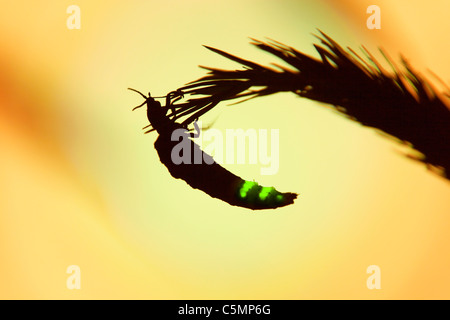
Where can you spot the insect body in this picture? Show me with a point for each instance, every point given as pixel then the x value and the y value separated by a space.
pixel 209 176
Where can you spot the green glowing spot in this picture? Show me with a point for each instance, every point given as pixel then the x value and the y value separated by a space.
pixel 265 191
pixel 246 186
pixel 279 198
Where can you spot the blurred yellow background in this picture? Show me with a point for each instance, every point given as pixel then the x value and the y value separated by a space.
pixel 80 184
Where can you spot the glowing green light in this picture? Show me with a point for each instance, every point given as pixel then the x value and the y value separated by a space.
pixel 246 186
pixel 279 198
pixel 264 193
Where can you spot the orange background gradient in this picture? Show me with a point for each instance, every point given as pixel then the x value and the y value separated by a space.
pixel 80 184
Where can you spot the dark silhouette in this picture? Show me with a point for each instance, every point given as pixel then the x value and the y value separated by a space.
pixel 401 104
pixel 206 175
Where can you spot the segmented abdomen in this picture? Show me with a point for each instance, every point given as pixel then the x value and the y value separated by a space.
pixel 218 182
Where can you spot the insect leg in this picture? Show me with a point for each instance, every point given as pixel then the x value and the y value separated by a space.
pixel 195 135
pixel 175 95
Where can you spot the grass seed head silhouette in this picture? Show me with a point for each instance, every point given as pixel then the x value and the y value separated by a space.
pixel 401 104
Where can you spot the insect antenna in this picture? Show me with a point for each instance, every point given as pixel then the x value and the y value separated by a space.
pixel 144 96
pixel 139 105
